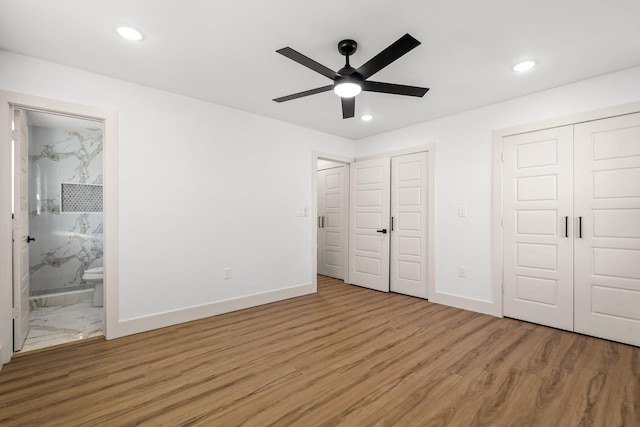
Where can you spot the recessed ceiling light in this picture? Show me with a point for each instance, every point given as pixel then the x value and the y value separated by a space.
pixel 366 117
pixel 129 33
pixel 523 66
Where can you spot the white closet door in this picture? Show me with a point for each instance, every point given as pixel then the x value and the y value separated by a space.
pixel 333 222
pixel 607 198
pixel 538 248
pixel 369 224
pixel 409 225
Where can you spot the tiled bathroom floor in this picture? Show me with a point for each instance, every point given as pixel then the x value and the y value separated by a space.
pixel 62 324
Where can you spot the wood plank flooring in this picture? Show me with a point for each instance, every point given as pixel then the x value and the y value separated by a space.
pixel 345 356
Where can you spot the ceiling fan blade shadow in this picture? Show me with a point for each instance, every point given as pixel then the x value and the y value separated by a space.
pixel 394 89
pixel 348 107
pixel 401 46
pixel 308 62
pixel 305 93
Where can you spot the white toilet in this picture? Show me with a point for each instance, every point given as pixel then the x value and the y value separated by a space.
pixel 95 276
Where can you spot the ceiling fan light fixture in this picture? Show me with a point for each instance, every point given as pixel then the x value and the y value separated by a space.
pixel 347 89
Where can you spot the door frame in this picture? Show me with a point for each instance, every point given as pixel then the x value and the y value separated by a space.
pixel 315 155
pixel 497 244
pixel 9 101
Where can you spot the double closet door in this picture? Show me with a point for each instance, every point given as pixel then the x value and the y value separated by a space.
pixel 332 222
pixel 388 224
pixel 571 212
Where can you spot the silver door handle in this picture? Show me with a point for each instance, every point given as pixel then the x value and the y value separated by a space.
pixel 322 222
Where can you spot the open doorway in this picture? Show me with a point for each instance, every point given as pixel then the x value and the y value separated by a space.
pixel 333 214
pixel 331 207
pixel 81 244
pixel 65 228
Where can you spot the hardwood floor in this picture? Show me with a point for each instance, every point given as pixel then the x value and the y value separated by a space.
pixel 345 356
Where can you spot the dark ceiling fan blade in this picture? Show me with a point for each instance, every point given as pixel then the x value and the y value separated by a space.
pixel 305 93
pixel 308 62
pixel 403 45
pixel 348 107
pixel 394 88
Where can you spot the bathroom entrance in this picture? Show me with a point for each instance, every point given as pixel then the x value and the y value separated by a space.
pixel 58 228
pixel 77 241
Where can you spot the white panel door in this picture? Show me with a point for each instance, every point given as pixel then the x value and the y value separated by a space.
pixel 607 255
pixel 332 206
pixel 369 224
pixel 20 231
pixel 408 269
pixel 321 243
pixel 538 236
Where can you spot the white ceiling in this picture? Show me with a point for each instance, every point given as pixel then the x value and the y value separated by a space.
pixel 224 52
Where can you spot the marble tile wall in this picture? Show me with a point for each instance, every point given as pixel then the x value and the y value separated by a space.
pixel 67 243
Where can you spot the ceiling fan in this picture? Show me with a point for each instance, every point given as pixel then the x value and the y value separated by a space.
pixel 348 81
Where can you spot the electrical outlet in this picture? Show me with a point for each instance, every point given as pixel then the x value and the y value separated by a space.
pixel 228 273
pixel 462 271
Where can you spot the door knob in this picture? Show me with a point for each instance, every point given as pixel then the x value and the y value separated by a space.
pixel 383 231
pixel 30 239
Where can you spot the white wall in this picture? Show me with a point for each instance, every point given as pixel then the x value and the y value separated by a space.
pixel 202 187
pixel 463 172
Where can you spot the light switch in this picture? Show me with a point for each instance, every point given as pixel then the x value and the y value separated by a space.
pixel 462 211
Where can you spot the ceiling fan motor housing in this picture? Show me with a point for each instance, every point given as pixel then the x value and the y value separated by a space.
pixel 350 73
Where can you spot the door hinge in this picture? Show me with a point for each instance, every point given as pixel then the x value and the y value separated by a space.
pixel 502 157
pixel 15 313
pixel 14 134
pixel 502 222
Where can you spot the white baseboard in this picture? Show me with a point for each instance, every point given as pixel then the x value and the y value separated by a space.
pixel 161 320
pixel 471 304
